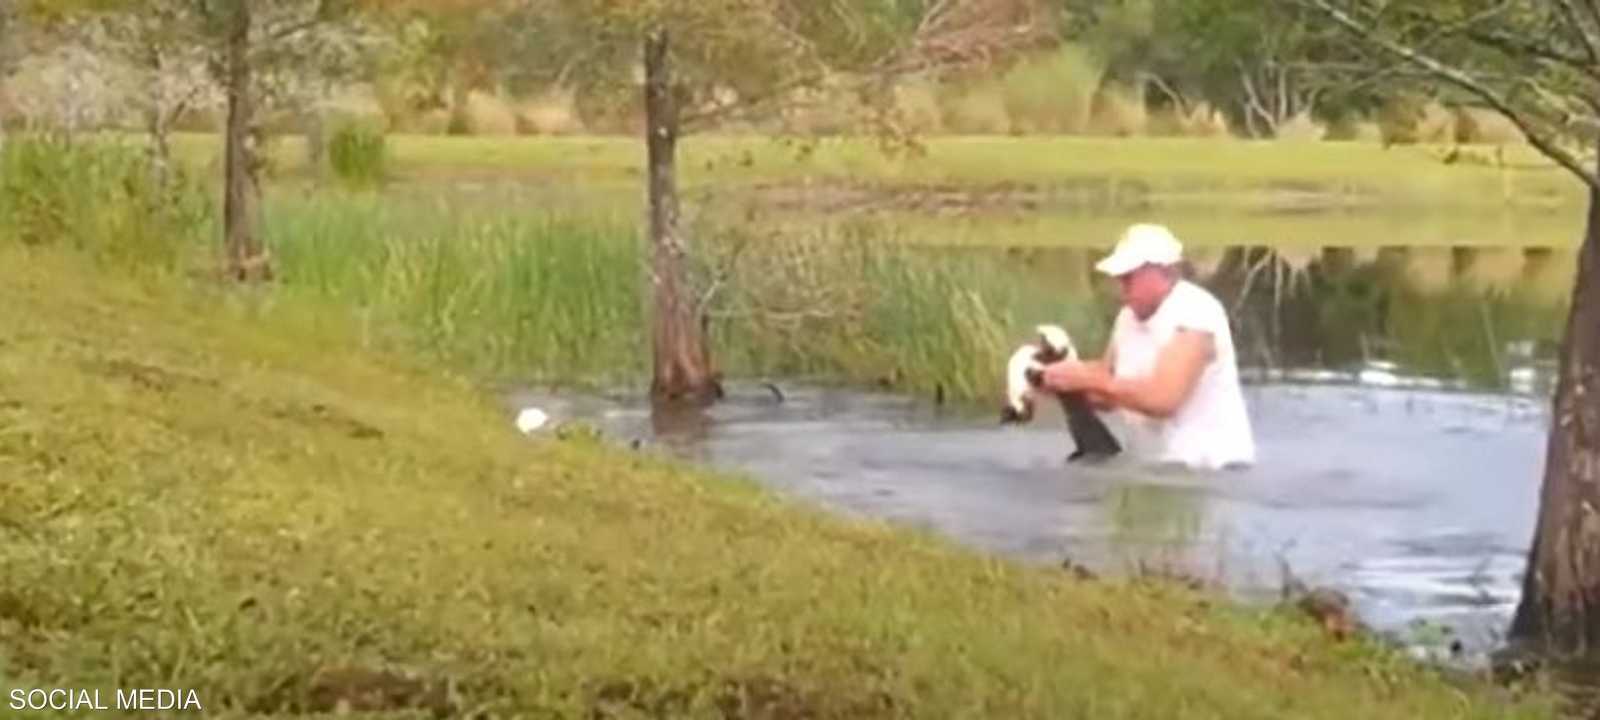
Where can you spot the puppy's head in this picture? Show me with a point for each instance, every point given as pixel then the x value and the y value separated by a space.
pixel 1054 345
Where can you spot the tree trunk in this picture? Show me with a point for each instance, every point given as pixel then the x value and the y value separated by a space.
pixel 682 360
pixel 160 148
pixel 1560 607
pixel 314 125
pixel 246 261
pixel 156 122
pixel 460 122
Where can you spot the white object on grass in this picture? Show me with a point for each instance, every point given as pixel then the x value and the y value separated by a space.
pixel 531 419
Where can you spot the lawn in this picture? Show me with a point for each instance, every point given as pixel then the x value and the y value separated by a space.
pixel 1012 191
pixel 1177 170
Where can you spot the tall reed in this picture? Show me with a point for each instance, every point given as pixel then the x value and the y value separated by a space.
pixel 99 196
pixel 854 302
pixel 539 296
pixel 530 295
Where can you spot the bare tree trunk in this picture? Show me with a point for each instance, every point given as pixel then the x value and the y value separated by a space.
pixel 314 125
pixel 682 359
pixel 460 122
pixel 160 148
pixel 156 122
pixel 246 261
pixel 1560 606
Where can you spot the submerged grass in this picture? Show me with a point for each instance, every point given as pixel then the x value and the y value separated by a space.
pixel 210 490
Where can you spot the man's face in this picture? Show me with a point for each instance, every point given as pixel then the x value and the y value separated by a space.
pixel 1143 289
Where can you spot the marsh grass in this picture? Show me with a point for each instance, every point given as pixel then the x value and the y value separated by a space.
pixel 1462 333
pixel 99 196
pixel 546 297
pixel 532 295
pixel 851 301
pixel 249 505
pixel 358 152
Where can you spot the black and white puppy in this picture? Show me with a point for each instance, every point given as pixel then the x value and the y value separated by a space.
pixel 1024 377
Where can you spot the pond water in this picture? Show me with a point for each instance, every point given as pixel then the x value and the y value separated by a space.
pixel 1418 503
pixel 1399 398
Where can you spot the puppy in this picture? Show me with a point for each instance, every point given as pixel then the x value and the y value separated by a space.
pixel 1024 377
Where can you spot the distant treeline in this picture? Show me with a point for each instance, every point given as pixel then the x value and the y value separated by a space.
pixel 1197 68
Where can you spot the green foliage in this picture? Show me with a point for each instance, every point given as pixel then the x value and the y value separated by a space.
pixel 358 152
pixel 97 196
pixel 1531 62
pixel 1053 93
pixel 1258 62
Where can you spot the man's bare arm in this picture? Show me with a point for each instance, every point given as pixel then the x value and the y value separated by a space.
pixel 1107 367
pixel 1177 371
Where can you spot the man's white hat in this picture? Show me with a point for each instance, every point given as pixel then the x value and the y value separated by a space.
pixel 1142 244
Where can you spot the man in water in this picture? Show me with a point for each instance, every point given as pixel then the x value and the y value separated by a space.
pixel 1169 367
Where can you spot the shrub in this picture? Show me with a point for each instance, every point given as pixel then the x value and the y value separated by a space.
pixel 1054 92
pixel 358 152
pixel 977 108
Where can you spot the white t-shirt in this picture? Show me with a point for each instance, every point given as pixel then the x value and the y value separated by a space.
pixel 1212 428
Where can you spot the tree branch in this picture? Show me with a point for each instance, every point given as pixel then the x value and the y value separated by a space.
pixel 319 15
pixel 1178 100
pixel 1590 45
pixel 1465 81
pixel 1590 34
pixel 691 121
pixel 1514 47
pixel 1252 103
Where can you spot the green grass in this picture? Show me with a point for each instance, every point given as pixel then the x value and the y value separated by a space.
pixel 531 295
pixel 97 198
pixel 556 297
pixel 1175 171
pixel 1018 191
pixel 220 491
pixel 537 296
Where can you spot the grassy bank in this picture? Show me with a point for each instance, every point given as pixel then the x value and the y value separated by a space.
pixel 216 491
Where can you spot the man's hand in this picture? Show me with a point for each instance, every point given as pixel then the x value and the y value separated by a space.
pixel 1074 376
pixel 1100 401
